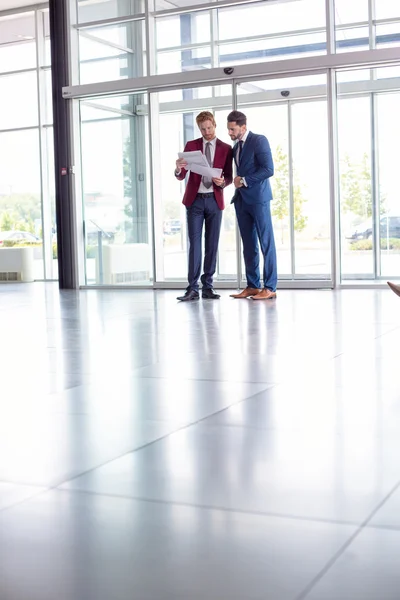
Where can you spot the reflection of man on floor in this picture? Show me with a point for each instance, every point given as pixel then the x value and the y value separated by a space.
pixel 394 288
pixel 204 201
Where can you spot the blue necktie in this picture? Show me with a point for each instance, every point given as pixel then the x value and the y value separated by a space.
pixel 240 150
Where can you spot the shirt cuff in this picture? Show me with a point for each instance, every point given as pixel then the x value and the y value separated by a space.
pixel 244 182
pixel 177 173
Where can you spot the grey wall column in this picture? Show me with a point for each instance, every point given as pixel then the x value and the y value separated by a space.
pixel 65 208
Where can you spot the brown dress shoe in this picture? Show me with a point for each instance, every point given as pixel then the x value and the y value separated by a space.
pixel 394 288
pixel 264 294
pixel 246 293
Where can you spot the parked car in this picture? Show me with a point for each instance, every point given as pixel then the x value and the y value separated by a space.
pixel 389 227
pixel 172 226
pixel 18 236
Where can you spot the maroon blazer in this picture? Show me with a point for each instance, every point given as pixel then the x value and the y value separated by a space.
pixel 222 160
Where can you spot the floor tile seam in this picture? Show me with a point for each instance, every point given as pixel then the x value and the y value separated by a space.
pixel 20 484
pixel 387 333
pixel 143 446
pixel 238 381
pixel 335 430
pixel 43 490
pixel 303 595
pixel 210 507
pixel 382 527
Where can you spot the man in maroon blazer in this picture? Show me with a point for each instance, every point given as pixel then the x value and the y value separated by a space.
pixel 204 201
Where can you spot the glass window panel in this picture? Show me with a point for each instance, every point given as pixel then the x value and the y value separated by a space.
pixel 348 76
pixel 355 11
pixel 311 204
pixel 354 139
pixel 243 52
pixel 387 9
pixel 115 195
pixel 268 113
pixel 17 42
pixel 98 10
pixel 250 20
pixel 350 40
pixel 186 60
pixel 208 92
pixel 272 121
pixel 284 83
pixel 176 126
pixel 20 191
pixel 103 70
pixel 389 200
pixel 49 202
pixel 46 30
pixel 180 30
pixel 114 52
pixel 388 36
pixel 387 72
pixel 106 108
pixel 18 100
pixel 168 4
pixel 48 97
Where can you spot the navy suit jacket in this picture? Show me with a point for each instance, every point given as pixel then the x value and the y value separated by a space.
pixel 256 166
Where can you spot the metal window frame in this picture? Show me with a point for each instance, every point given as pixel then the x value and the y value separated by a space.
pixel 215 76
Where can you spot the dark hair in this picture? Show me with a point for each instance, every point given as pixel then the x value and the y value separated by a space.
pixel 238 117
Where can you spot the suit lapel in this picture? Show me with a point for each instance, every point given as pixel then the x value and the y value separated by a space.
pixel 217 154
pixel 235 151
pixel 246 147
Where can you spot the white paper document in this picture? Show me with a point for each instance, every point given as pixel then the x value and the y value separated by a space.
pixel 206 171
pixel 197 163
pixel 194 158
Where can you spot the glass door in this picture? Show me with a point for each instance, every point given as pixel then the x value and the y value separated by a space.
pixel 292 114
pixel 368 133
pixel 388 135
pixel 174 124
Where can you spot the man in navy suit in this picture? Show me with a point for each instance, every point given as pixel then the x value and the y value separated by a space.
pixel 252 199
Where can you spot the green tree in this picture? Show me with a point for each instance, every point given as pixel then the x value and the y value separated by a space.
pixel 25 207
pixel 6 222
pixel 356 187
pixel 280 206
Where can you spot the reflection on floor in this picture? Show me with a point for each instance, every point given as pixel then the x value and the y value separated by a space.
pixel 219 450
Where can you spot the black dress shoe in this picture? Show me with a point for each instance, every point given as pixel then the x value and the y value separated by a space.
pixel 209 294
pixel 189 295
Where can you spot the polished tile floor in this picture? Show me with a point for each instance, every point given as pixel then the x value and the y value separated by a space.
pixel 219 450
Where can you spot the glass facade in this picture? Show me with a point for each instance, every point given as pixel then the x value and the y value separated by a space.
pixel 321 81
pixel 27 198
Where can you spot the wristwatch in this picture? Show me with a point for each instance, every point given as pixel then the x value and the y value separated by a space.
pixel 241 181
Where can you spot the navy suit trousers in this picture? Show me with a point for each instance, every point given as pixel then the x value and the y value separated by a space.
pixel 255 226
pixel 203 211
